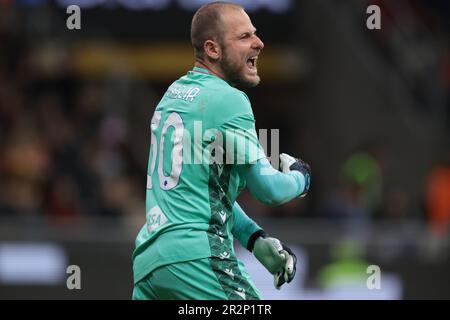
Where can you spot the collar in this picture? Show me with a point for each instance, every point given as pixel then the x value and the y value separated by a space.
pixel 206 72
pixel 201 70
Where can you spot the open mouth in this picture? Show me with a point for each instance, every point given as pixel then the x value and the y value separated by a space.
pixel 251 62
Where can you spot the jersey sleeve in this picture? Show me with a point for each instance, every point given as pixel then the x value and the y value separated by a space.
pixel 243 227
pixel 271 186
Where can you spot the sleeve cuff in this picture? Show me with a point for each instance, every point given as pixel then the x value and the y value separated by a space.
pixel 253 237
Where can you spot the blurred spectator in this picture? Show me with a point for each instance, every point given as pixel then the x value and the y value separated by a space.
pixel 438 197
pixel 25 164
pixel 347 269
pixel 63 155
pixel 63 203
pixel 349 275
pixel 358 198
pixel 397 204
pixel 345 208
pixel 363 172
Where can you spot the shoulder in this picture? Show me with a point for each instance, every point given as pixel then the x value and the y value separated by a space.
pixel 233 101
pixel 231 108
pixel 235 94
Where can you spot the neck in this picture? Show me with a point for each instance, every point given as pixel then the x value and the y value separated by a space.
pixel 213 69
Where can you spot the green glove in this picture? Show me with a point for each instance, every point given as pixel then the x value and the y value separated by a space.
pixel 277 258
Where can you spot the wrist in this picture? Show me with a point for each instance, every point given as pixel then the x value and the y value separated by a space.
pixel 253 238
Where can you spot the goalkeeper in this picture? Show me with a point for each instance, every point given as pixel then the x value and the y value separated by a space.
pixel 185 248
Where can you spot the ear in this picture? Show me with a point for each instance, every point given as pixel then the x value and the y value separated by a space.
pixel 212 49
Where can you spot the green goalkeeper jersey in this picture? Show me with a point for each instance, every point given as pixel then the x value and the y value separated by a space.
pixel 201 130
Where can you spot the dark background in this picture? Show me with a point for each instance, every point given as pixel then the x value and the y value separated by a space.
pixel 368 109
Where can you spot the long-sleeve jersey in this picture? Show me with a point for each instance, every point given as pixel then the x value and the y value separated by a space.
pixel 204 150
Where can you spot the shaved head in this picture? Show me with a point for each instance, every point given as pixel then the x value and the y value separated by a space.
pixel 225 43
pixel 207 24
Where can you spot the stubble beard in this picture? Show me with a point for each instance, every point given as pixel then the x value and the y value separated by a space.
pixel 234 72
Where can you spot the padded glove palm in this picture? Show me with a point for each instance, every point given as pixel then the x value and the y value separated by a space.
pixel 277 258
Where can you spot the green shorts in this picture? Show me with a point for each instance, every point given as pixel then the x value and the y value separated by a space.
pixel 203 279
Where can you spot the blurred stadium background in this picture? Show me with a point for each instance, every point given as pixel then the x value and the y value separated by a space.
pixel 368 109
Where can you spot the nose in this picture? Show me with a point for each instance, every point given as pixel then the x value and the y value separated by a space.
pixel 258 44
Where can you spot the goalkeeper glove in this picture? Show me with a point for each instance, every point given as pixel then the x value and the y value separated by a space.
pixel 276 257
pixel 289 163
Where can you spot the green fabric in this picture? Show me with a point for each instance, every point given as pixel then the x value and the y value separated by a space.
pixel 194 218
pixel 243 226
pixel 271 186
pixel 203 279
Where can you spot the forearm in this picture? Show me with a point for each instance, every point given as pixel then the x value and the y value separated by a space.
pixel 245 230
pixel 270 186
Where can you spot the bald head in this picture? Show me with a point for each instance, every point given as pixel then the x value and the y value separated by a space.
pixel 207 24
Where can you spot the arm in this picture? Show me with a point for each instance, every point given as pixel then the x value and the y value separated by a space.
pixel 265 183
pixel 245 230
pixel 275 256
pixel 270 186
